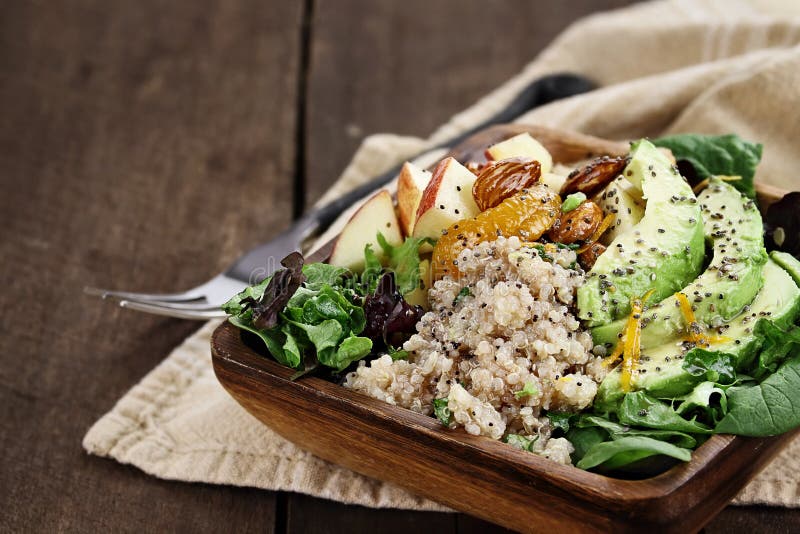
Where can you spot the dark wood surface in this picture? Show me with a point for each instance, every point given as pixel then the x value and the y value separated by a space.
pixel 144 145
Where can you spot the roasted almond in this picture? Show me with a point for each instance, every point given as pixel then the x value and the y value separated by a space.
pixel 500 180
pixel 588 257
pixel 578 224
pixel 594 176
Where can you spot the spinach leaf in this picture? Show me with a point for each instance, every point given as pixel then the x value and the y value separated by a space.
pixel 638 409
pixel 767 408
pixel 560 420
pixel 442 411
pixel 708 399
pixel 584 439
pixel 725 155
pixel 324 335
pixel 274 339
pixel 521 442
pixel 776 344
pixel 404 261
pixel 619 431
pixel 714 366
pixel 623 451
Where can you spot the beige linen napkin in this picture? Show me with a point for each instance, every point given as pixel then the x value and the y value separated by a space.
pixel 676 66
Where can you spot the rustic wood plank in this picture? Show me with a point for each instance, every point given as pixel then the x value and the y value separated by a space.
pixel 142 145
pixel 406 67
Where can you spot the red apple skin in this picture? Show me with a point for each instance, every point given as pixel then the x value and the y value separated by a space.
pixel 428 199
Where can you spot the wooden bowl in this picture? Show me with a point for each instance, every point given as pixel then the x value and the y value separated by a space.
pixel 477 475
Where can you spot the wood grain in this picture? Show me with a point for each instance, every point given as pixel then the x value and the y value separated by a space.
pixel 139 142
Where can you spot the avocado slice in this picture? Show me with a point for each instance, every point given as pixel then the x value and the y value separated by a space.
pixel 661 371
pixel 664 251
pixel 733 229
pixel 623 200
pixel 788 262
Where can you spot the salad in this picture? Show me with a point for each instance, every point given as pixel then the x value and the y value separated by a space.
pixel 611 316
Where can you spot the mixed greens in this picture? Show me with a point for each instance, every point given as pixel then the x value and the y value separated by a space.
pixel 320 315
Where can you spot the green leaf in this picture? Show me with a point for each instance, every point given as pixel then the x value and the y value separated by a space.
pixel 521 442
pixel 352 349
pixel 274 340
pixel 527 391
pixel 767 408
pixel 324 335
pixel 560 420
pixel 584 439
pixel 404 261
pixel 234 305
pixel 720 155
pixel 619 431
pixel 776 345
pixel 641 410
pixel 442 411
pixel 714 366
pixel 706 398
pixel 292 349
pixel 624 451
pixel 372 270
pixel 322 274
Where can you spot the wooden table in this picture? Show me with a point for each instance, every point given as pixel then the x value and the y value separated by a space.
pixel 146 144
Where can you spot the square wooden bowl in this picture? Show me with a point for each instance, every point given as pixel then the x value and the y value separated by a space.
pixel 477 475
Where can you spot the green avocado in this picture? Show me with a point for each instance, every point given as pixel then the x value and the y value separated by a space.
pixel 733 230
pixel 788 262
pixel 664 251
pixel 661 371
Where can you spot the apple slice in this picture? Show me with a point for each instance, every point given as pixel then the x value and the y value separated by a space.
pixel 410 185
pixel 522 146
pixel 447 199
pixel 375 215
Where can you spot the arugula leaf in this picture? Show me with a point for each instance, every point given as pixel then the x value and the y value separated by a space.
pixel 521 442
pixel 442 411
pixel 527 391
pixel 404 261
pixel 714 366
pixel 767 408
pixel 623 451
pixel 720 155
pixel 639 409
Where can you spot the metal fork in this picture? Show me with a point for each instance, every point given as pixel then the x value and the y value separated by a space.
pixel 203 302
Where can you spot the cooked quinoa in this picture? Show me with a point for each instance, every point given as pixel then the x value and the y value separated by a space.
pixel 501 351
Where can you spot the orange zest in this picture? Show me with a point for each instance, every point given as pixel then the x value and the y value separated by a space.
pixel 607 222
pixel 694 330
pixel 630 346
